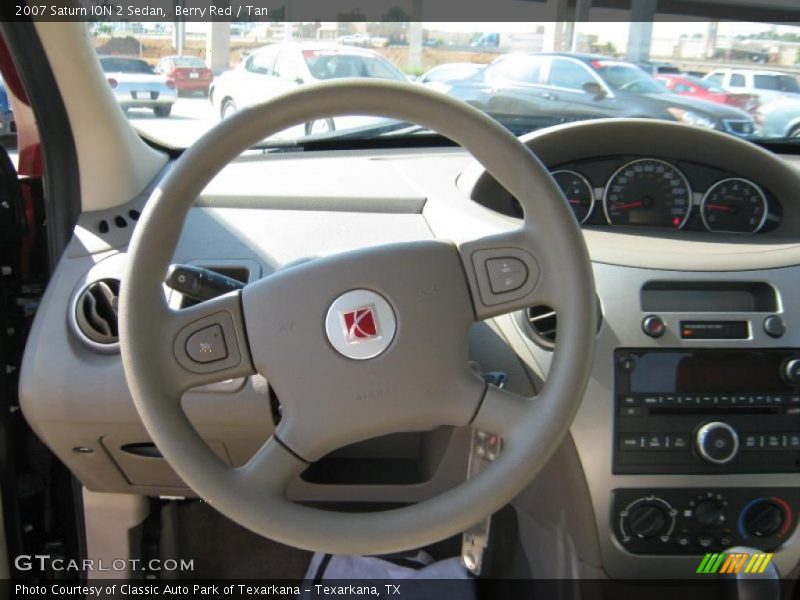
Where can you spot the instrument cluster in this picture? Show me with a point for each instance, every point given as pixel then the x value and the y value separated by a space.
pixel 667 194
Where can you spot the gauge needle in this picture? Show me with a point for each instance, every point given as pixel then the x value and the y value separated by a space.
pixel 722 207
pixel 574 201
pixel 626 205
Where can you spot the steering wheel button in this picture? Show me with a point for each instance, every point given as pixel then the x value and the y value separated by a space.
pixel 506 274
pixel 207 345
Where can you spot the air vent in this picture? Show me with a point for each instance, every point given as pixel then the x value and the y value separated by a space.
pixel 96 313
pixel 542 321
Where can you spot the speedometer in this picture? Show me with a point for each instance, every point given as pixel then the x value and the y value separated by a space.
pixel 648 193
pixel 734 205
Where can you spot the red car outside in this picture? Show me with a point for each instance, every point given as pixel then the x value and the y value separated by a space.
pixel 189 72
pixel 688 85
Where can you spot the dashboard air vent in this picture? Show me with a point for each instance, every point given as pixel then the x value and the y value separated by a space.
pixel 542 321
pixel 96 312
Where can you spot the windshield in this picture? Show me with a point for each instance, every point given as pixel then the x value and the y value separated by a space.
pixel 125 65
pixel 336 64
pixel 629 78
pixel 187 61
pixel 783 83
pixel 705 84
pixel 527 76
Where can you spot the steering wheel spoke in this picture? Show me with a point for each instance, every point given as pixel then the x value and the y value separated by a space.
pixel 271 468
pixel 507 272
pixel 209 342
pixel 501 411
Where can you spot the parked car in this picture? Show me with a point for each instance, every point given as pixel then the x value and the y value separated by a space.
pixel 658 68
pixel 354 39
pixel 768 85
pixel 135 85
pixel 449 71
pixel 695 87
pixel 189 73
pixel 278 68
pixel 7 124
pixel 586 86
pixel 780 118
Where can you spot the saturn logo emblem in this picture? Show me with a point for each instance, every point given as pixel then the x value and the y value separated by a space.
pixel 360 324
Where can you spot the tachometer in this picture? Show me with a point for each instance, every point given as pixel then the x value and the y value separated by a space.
pixel 578 191
pixel 734 205
pixel 648 193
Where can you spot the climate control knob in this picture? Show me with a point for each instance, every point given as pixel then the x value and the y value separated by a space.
pixel 764 518
pixel 717 442
pixel 647 521
pixel 710 513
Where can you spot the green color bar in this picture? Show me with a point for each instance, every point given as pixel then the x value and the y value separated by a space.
pixel 706 559
pixel 717 564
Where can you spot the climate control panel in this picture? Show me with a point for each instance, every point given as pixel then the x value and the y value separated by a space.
pixel 696 521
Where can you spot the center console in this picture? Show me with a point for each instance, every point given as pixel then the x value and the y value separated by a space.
pixel 689 434
pixel 707 411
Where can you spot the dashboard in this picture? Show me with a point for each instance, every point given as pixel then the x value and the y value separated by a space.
pixel 659 192
pixel 660 245
pixel 667 193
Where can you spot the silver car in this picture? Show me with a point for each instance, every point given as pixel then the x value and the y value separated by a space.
pixel 135 85
pixel 278 68
pixel 780 118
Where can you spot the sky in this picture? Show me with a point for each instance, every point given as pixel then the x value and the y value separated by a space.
pixel 615 32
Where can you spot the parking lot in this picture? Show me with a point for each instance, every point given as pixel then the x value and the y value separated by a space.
pixel 190 118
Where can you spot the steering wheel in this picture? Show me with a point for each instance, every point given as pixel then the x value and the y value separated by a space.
pixel 364 343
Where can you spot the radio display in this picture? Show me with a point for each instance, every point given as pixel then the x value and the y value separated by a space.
pixel 701 371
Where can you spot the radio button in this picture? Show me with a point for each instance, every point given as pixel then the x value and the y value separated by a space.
pixel 655 441
pixel 751 441
pixel 773 441
pixel 793 440
pixel 630 441
pixel 791 371
pixel 774 326
pixel 654 326
pixel 679 441
pixel 717 442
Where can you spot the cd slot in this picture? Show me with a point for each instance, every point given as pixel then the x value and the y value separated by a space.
pixel 715 410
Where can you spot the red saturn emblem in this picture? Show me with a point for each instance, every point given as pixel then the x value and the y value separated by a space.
pixel 360 324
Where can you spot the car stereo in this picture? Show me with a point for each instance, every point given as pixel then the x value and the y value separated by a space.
pixel 707 411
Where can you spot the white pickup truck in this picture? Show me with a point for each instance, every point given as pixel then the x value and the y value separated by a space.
pixel 768 85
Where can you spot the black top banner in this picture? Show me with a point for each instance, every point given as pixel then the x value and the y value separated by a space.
pixel 772 11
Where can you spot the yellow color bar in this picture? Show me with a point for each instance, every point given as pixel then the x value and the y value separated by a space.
pixel 740 563
pixel 767 558
pixel 755 563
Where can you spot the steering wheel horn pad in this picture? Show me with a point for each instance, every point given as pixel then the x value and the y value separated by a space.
pixel 408 306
